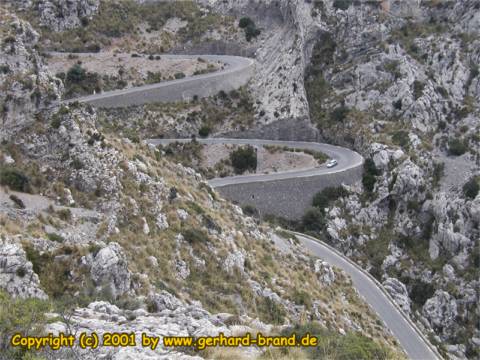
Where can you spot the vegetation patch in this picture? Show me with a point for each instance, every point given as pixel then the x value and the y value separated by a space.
pixel 352 346
pixel 243 159
pixel 370 174
pixel 15 179
pixel 323 198
pixel 116 19
pixel 457 147
pixel 249 27
pixel 471 187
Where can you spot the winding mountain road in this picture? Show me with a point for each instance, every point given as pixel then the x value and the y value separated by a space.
pixel 346 158
pixel 235 74
pixel 409 336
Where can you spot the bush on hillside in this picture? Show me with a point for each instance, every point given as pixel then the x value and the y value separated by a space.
pixel 322 199
pixel 243 159
pixel 204 131
pixel 24 316
pixel 14 179
pixel 339 114
pixel 352 346
pixel 342 4
pixel 249 27
pixel 471 188
pixel 369 175
pixel 195 236
pixel 313 220
pixel 76 74
pixel 457 147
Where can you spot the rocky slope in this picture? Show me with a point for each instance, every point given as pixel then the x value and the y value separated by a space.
pixel 109 234
pixel 399 82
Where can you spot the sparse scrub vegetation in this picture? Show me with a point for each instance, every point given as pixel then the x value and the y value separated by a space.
pixel 116 19
pixel 457 147
pixel 25 316
pixel 313 220
pixel 248 25
pixel 352 346
pixel 471 187
pixel 195 236
pixel 243 159
pixel 14 179
pixel 369 175
pixel 418 87
pixel 323 198
pixel 342 4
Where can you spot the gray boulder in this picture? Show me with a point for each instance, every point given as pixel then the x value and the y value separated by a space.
pixel 440 310
pixel 16 274
pixel 109 268
pixel 398 291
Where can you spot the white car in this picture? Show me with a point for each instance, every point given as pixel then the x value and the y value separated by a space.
pixel 332 163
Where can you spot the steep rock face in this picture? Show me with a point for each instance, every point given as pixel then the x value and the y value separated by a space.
pixel 395 80
pixel 16 273
pixel 399 293
pixel 60 15
pixel 26 85
pixel 109 268
pixel 287 29
pixel 440 311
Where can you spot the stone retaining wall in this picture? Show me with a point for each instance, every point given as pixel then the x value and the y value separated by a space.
pixel 287 198
pixel 185 89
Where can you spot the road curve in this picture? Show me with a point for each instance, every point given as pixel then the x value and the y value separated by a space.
pixel 346 158
pixel 411 339
pixel 236 72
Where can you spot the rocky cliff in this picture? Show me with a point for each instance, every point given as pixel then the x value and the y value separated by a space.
pixel 107 234
pixel 399 82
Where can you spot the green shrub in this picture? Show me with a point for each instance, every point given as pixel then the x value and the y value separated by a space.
pixel 342 4
pixel 248 25
pixel 471 188
pixel 322 199
pixel 369 175
pixel 77 164
pixel 179 75
pixel 243 159
pixel 401 138
pixel 457 147
pixel 24 316
pixel 76 74
pixel 55 237
pixel 420 292
pixel 397 105
pixel 204 131
pixel 195 236
pixel 249 210
pixel 251 32
pixel 14 179
pixel 245 21
pixel 313 220
pixel 339 114
pixel 352 346
pixel 418 87
pixel 271 312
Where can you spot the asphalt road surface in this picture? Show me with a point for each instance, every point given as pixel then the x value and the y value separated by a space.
pixel 411 341
pixel 346 159
pixel 414 344
pixel 233 64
